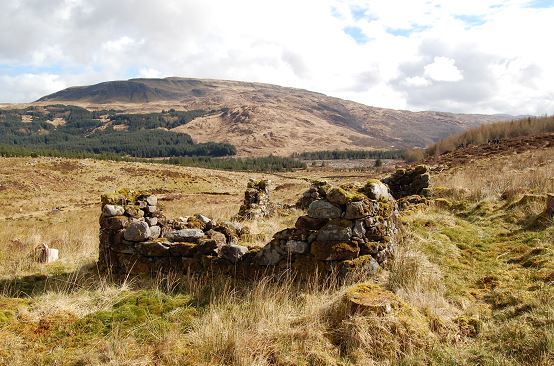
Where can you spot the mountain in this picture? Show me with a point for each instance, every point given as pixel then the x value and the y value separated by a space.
pixel 261 119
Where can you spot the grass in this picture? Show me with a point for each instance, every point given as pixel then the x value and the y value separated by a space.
pixel 471 282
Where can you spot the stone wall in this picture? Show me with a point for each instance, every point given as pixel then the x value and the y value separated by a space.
pixel 409 182
pixel 256 203
pixel 353 227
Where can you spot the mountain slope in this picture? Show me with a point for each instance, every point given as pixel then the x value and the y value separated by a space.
pixel 264 118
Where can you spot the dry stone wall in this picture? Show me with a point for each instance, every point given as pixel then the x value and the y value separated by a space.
pixel 352 227
pixel 256 202
pixel 409 182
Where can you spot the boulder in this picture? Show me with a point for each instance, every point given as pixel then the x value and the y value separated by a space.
pixel 112 210
pixel 233 253
pixel 376 190
pixel 187 235
pixel 137 231
pixel 324 210
pixel 333 251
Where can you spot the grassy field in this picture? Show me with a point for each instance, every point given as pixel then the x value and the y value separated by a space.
pixel 474 275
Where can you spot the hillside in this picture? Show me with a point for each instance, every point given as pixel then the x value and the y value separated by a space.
pixel 262 119
pixel 474 273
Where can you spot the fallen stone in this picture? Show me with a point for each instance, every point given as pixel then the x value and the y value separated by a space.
pixel 219 238
pixel 233 253
pixel 208 247
pixel 323 210
pixel 112 210
pixel 137 231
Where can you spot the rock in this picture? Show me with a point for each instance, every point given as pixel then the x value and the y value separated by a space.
pixel 153 249
pixel 338 196
pixel 334 231
pixel 152 221
pixel 152 200
pixel 218 237
pixel 114 223
pixel 309 223
pixel 233 253
pixel 137 231
pixel 112 210
pixel 256 203
pixel 229 230
pixel 359 229
pixel 183 249
pixel 151 209
pixel 377 190
pixel 134 212
pixel 297 246
pixel 270 254
pixel 323 210
pixel 208 246
pixel 188 235
pixel 204 219
pixel 155 232
pixel 357 210
pixel 333 251
pixel 408 182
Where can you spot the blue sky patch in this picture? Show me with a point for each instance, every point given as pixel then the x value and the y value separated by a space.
pixel 541 4
pixel 471 20
pixel 405 32
pixel 357 34
pixel 12 70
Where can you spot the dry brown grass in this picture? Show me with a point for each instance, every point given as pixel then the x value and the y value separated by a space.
pixel 490 178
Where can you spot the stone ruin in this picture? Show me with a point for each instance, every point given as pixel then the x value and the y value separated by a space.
pixel 256 202
pixel 349 227
pixel 409 182
pixel 316 192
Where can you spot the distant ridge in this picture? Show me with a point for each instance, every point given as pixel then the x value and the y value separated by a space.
pixel 269 119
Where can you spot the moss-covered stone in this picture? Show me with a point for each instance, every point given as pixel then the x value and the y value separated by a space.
pixel 332 251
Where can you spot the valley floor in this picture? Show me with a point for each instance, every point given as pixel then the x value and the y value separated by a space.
pixel 475 271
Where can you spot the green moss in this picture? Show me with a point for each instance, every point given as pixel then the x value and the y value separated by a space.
pixel 135 310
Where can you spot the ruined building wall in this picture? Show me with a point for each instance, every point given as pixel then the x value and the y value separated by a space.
pixel 347 227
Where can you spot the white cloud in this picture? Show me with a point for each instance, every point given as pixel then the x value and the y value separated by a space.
pixel 443 69
pixel 420 54
pixel 417 81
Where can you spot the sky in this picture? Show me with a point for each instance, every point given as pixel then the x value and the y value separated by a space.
pixel 468 56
